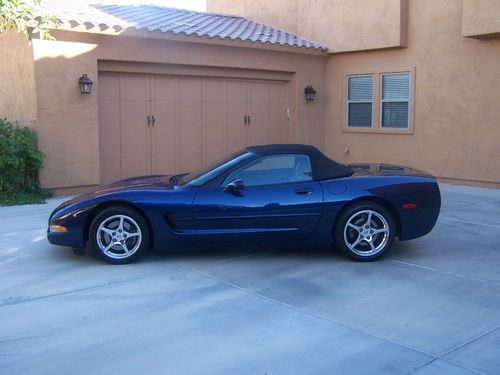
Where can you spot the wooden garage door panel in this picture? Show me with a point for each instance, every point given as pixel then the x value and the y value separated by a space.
pixel 189 89
pixel 163 138
pixel 189 135
pixel 214 133
pixel 278 100
pixel 259 108
pixel 189 117
pixel 214 104
pixel 236 133
pixel 110 169
pixel 109 127
pixel 134 87
pixel 109 86
pixel 135 107
pixel 164 133
pixel 164 88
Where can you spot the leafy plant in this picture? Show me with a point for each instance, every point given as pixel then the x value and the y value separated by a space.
pixel 20 161
pixel 21 16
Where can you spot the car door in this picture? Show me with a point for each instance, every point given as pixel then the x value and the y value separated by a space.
pixel 276 199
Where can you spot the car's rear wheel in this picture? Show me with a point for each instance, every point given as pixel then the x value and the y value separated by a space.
pixel 365 231
pixel 119 235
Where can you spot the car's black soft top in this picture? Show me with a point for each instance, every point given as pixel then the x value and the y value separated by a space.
pixel 323 167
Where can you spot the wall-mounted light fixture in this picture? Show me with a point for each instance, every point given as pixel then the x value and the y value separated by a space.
pixel 85 84
pixel 310 93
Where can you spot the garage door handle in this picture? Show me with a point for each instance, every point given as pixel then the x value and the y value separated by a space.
pixel 304 191
pixel 153 117
pixel 149 120
pixel 248 119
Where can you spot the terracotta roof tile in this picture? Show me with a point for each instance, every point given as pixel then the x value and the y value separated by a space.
pixel 104 14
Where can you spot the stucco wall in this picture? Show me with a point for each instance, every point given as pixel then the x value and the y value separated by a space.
pixel 457 96
pixel 17 79
pixel 339 24
pixel 481 18
pixel 68 120
pixel 354 25
pixel 282 14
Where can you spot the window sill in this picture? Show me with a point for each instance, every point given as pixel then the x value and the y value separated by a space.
pixel 379 130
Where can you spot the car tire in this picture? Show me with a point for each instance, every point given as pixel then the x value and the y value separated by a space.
pixel 119 235
pixel 365 231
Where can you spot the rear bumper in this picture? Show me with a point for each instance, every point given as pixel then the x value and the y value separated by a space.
pixel 420 221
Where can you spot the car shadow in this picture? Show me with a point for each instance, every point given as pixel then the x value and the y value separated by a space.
pixel 217 255
pixel 67 255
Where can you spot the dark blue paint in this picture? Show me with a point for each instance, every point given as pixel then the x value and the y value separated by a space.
pixel 193 217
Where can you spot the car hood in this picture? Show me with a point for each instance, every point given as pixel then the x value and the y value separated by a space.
pixel 377 169
pixel 155 182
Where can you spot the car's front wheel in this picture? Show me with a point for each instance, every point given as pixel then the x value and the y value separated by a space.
pixel 119 235
pixel 365 231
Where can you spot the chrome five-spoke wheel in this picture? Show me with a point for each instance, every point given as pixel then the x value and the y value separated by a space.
pixel 365 231
pixel 119 234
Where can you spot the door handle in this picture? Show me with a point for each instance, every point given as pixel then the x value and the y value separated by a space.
pixel 245 119
pixel 149 120
pixel 153 117
pixel 305 191
pixel 248 120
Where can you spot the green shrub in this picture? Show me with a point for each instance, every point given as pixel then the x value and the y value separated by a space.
pixel 20 162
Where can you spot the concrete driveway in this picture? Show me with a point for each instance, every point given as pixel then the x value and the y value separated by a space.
pixel 431 307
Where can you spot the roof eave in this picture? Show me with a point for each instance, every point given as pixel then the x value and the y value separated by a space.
pixel 182 37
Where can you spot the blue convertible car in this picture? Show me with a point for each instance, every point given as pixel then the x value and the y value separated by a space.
pixel 268 196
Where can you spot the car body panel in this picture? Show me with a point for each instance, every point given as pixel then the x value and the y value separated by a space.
pixel 258 213
pixel 293 214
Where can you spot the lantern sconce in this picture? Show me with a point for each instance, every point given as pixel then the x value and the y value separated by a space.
pixel 310 93
pixel 85 84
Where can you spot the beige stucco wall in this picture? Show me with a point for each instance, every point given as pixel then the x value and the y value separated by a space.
pixel 354 25
pixel 481 18
pixel 68 121
pixel 282 14
pixel 339 24
pixel 456 106
pixel 17 79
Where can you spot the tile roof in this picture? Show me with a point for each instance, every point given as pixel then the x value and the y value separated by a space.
pixel 120 16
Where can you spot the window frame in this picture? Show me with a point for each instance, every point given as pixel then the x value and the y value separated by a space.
pixel 225 181
pixel 382 100
pixel 347 101
pixel 377 128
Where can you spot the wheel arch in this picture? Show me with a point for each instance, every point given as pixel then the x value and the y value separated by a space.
pixel 107 204
pixel 376 199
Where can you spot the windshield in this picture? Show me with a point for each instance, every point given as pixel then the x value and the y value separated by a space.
pixel 211 170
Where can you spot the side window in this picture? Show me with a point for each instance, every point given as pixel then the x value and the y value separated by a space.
pixel 275 169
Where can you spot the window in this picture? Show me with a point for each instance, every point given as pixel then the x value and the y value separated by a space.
pixel 359 101
pixel 395 103
pixel 275 169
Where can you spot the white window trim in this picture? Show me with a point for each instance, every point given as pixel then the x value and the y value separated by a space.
pixel 357 101
pixel 382 100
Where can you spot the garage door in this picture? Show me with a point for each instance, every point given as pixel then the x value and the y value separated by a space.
pixel 155 124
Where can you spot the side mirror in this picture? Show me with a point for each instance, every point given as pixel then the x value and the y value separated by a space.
pixel 234 185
